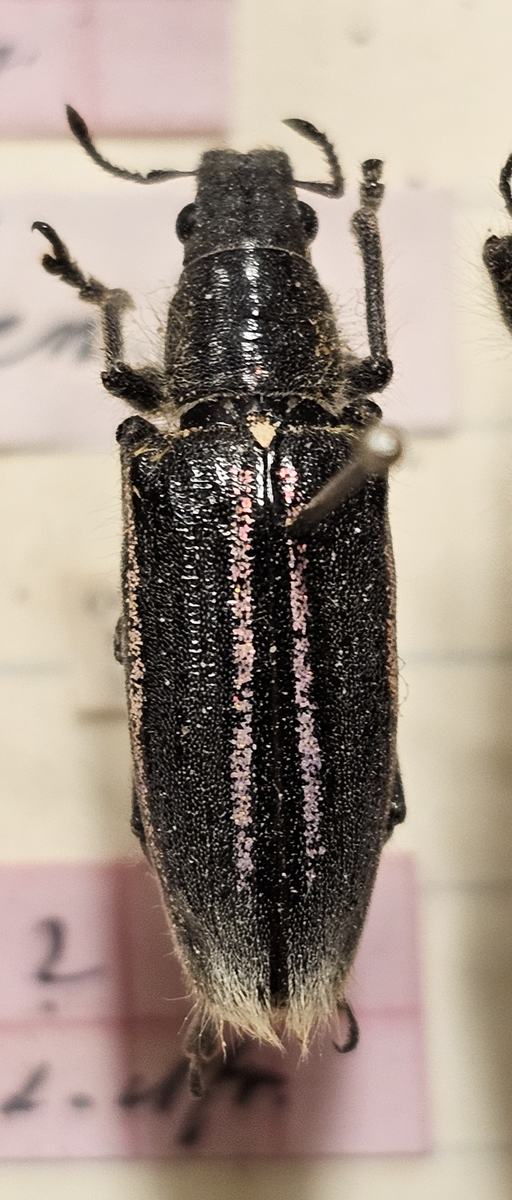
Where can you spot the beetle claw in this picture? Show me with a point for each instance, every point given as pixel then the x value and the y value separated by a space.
pixel 62 257
pixel 352 1037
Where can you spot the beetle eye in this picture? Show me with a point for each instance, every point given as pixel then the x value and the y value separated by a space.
pixel 309 220
pixel 185 222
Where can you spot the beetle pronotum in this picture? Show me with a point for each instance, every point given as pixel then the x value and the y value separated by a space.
pixel 258 627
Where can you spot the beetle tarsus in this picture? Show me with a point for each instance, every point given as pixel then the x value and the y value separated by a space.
pixel 203 1044
pixel 352 1038
pixel 371 189
pixel 67 269
pixel 62 264
pixel 142 387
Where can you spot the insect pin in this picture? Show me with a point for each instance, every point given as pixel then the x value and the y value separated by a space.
pixel 258 626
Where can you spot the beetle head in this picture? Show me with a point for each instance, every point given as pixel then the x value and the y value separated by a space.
pixel 243 200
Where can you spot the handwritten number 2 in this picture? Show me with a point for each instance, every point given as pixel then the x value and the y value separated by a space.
pixel 55 932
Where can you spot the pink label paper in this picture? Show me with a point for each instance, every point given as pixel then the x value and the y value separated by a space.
pixel 129 66
pixel 93 1012
pixel 50 358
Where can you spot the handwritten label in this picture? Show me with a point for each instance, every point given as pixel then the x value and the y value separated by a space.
pixel 93 1013
pixel 130 66
pixel 50 358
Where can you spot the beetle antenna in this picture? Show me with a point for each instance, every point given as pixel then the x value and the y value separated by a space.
pixel 79 129
pixel 337 185
pixel 505 190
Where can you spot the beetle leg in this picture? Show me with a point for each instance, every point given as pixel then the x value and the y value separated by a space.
pixel 497 252
pixel 136 824
pixel 397 811
pixel 141 387
pixel 367 375
pixel 119 641
pixel 371 374
pixel 203 1044
pixel 497 255
pixel 352 1038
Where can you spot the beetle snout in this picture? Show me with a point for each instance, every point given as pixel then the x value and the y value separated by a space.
pixel 244 198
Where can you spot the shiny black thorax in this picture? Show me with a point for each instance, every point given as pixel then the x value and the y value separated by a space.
pixel 249 321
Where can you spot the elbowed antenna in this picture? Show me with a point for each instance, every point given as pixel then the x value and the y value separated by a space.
pixel 79 129
pixel 337 185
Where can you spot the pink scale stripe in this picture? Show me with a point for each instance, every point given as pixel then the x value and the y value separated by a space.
pixel 241 609
pixel 309 750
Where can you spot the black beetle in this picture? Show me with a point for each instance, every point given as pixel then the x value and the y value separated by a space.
pixel 258 627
